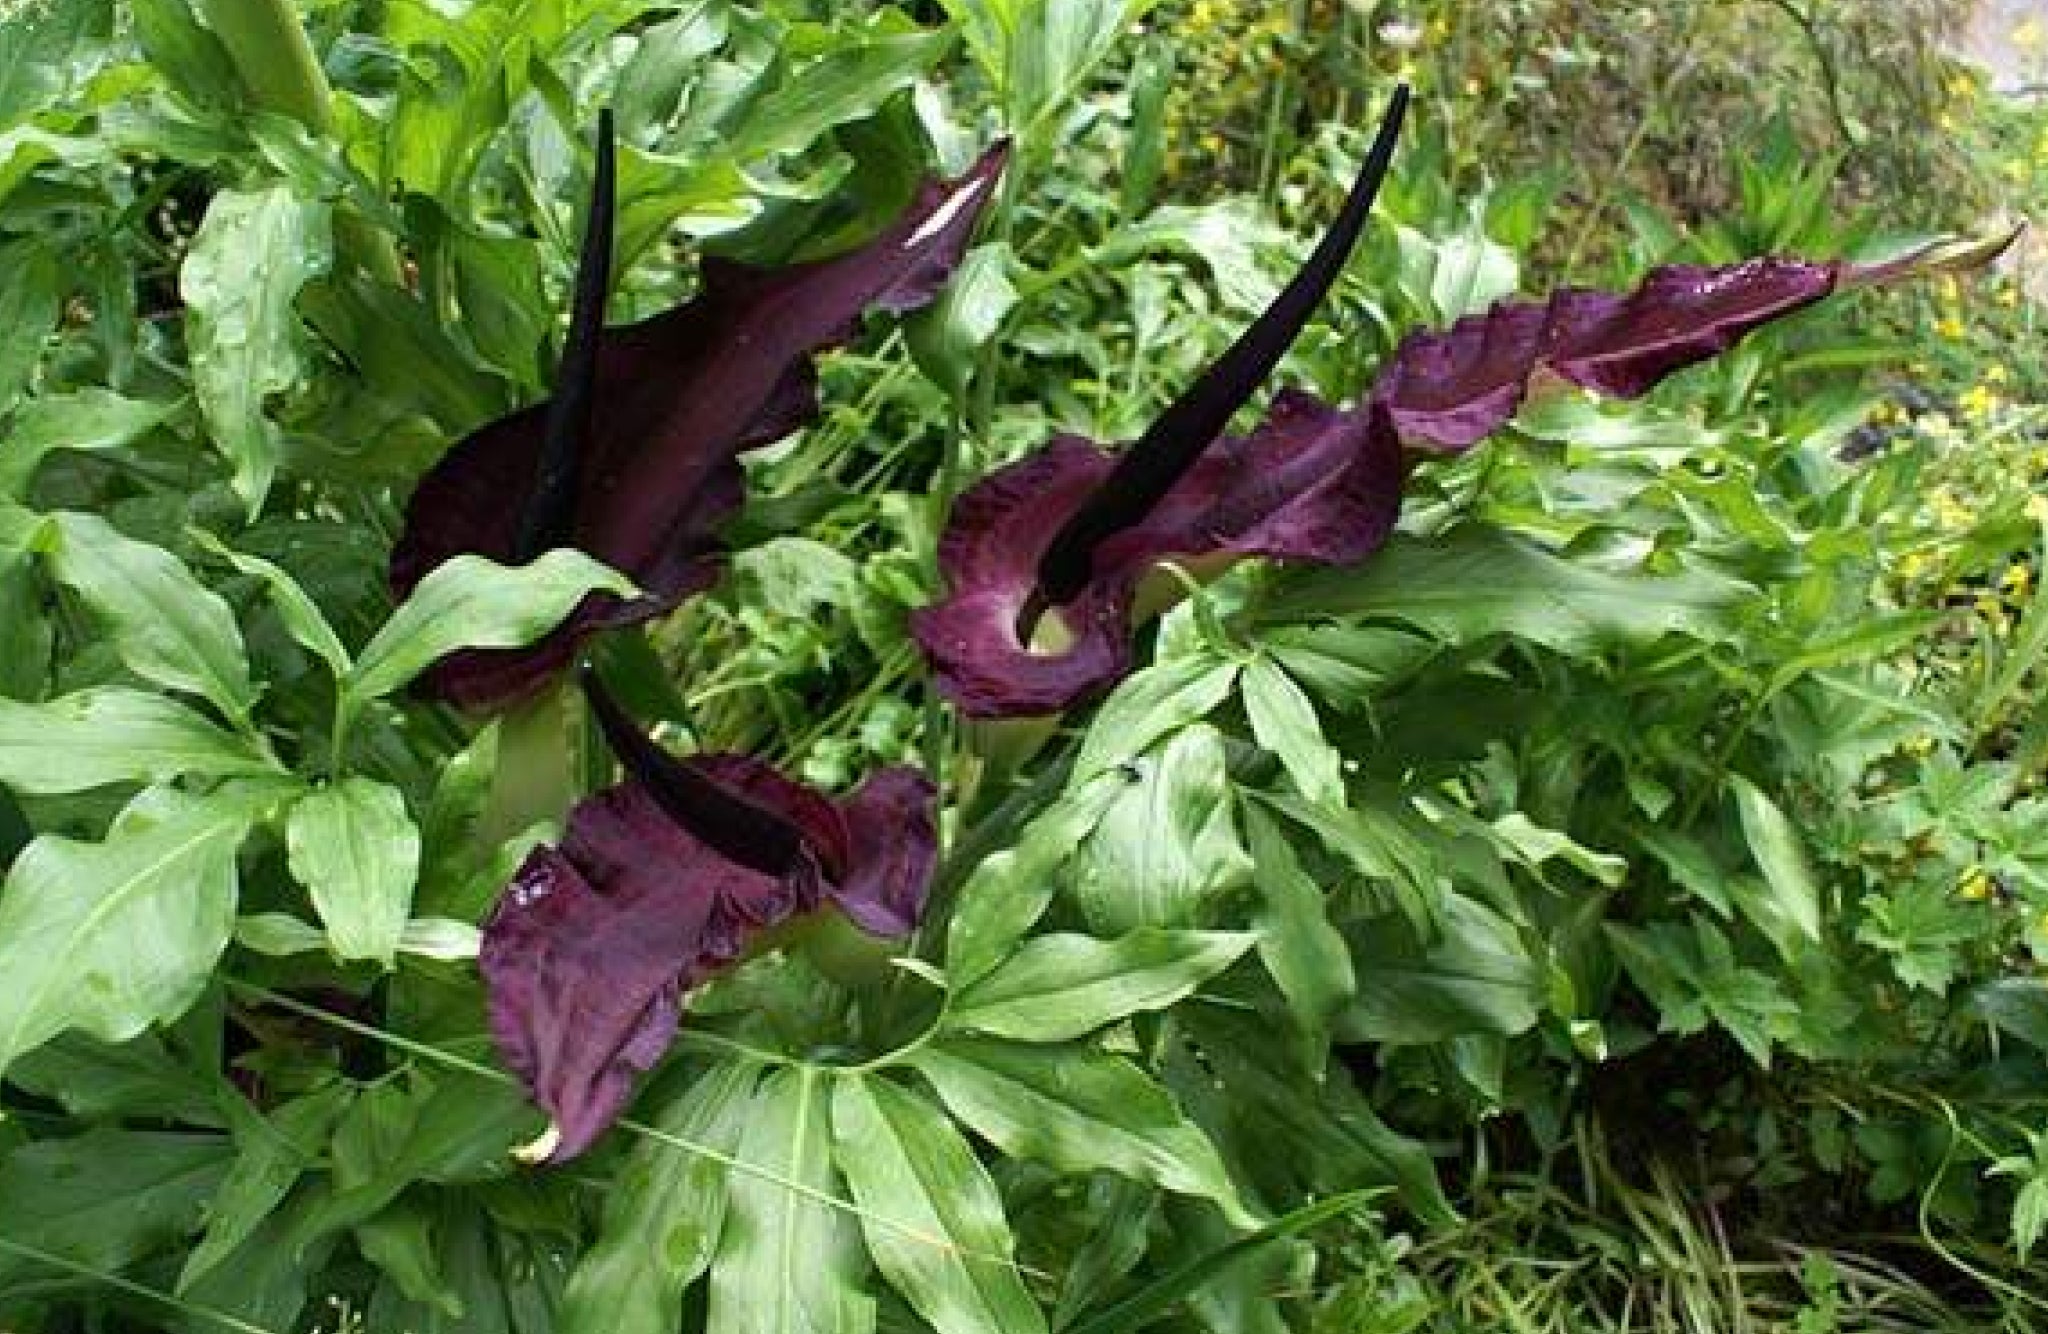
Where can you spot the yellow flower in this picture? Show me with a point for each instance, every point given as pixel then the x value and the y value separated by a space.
pixel 1978 401
pixel 1975 885
pixel 1913 565
pixel 1948 326
pixel 1995 374
pixel 2018 579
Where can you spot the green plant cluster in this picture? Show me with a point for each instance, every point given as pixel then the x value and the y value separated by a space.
pixel 1622 903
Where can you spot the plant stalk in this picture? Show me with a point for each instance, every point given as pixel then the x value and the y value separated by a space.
pixel 276 62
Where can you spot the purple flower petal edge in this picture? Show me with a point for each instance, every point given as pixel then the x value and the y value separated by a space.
pixel 590 950
pixel 1449 389
pixel 678 398
pixel 1312 483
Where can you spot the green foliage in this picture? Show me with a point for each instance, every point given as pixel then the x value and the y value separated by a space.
pixel 1670 771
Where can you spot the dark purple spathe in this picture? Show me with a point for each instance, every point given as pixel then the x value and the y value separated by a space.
pixel 591 949
pixel 676 400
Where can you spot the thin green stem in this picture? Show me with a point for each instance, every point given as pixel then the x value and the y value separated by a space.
pixel 535 778
pixel 277 64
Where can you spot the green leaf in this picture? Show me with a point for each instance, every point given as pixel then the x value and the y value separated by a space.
pixel 1225 237
pixel 1077 1110
pixel 1306 956
pixel 1162 699
pixel 107 1198
pixel 1694 979
pixel 1061 986
pixel 1167 848
pixel 112 937
pixel 472 602
pixel 166 625
pixel 947 336
pixel 1006 894
pixel 302 618
pixel 29 292
pixel 356 849
pixel 253 252
pixel 446 1128
pixel 847 83
pixel 1474 581
pixel 272 1153
pixel 1791 912
pixel 787 1263
pixel 1170 1289
pixel 44 47
pixel 1284 722
pixel 663 1214
pixel 1477 977
pixel 87 419
pixel 904 1162
pixel 114 735
pixel 1037 53
pixel 2013 1005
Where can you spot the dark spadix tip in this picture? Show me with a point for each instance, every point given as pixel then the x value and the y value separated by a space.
pixel 551 508
pixel 738 829
pixel 1149 468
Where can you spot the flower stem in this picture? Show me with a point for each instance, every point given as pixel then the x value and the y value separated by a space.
pixel 269 47
pixel 535 778
pixel 277 64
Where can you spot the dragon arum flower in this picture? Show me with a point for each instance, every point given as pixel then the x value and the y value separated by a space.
pixel 1044 560
pixel 635 459
pixel 660 882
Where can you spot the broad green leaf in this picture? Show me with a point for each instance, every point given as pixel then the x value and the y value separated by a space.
pixel 447 1128
pixel 1161 1295
pixel 788 1263
pixel 115 735
pixel 2014 1005
pixel 1061 986
pixel 353 845
pixel 29 291
pixel 1790 914
pixel 114 1081
pixel 947 336
pixel 1162 699
pixel 85 419
pixel 303 620
pixel 1038 53
pixel 1167 849
pixel 1008 892
pixel 112 937
pixel 1078 1110
pixel 1475 581
pixel 44 47
pixel 1284 722
pixel 472 602
pixel 1477 977
pixel 847 83
pixel 663 1214
pixel 254 250
pixel 905 1162
pixel 1306 956
pixel 1533 845
pixel 273 1151
pixel 1225 237
pixel 165 624
pixel 107 1198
